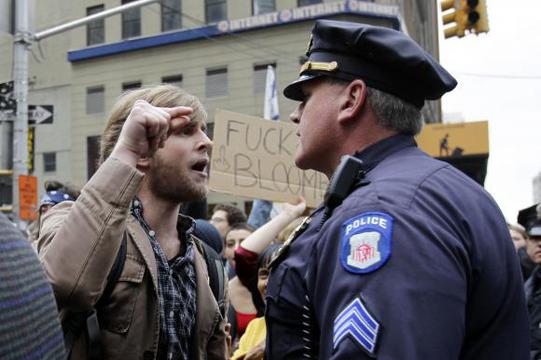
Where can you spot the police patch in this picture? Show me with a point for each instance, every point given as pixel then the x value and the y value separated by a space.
pixel 366 242
pixel 355 322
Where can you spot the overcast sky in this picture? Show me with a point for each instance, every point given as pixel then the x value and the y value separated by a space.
pixel 499 76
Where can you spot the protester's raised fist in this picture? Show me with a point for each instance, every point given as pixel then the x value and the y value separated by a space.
pixel 147 127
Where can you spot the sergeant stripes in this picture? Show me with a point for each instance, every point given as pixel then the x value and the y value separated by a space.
pixel 356 321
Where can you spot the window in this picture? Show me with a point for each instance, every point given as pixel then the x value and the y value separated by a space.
pixel 210 130
pixel 95 100
pixel 171 14
pixel 263 6
pixel 95 30
pixel 132 85
pixel 92 155
pixel 308 2
pixel 216 10
pixel 131 21
pixel 216 82
pixel 49 161
pixel 173 80
pixel 260 77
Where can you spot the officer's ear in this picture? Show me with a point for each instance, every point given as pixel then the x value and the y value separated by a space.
pixel 353 101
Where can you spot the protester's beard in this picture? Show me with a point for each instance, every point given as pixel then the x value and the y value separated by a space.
pixel 172 183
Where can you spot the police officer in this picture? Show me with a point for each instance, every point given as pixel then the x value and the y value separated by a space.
pixel 530 218
pixel 407 258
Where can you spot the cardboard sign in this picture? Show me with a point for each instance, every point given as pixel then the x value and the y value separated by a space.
pixel 254 157
pixel 28 197
pixel 454 140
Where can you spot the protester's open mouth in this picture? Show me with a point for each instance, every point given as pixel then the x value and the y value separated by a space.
pixel 201 166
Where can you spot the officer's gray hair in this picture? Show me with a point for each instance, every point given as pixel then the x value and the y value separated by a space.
pixel 394 113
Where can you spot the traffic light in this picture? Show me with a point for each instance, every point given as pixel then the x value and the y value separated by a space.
pixel 454 15
pixel 464 15
pixel 475 15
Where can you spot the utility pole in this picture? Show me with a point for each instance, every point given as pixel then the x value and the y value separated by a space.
pixel 23 41
pixel 20 92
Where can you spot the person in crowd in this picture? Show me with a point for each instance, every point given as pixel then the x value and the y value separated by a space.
pixel 242 309
pixel 29 326
pixel 247 253
pixel 205 231
pixel 260 213
pixel 235 236
pixel 284 234
pixel 248 256
pixel 520 237
pixel 153 157
pixel 530 218
pixel 55 192
pixel 224 216
pixel 252 343
pixel 407 257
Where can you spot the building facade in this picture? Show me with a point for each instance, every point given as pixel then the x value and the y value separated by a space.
pixel 216 49
pixel 536 184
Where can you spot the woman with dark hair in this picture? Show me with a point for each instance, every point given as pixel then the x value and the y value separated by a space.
pixel 252 343
pixel 250 260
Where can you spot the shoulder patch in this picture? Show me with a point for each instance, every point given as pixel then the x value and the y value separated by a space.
pixel 366 241
pixel 355 322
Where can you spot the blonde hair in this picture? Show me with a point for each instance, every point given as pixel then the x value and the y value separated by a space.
pixel 160 95
pixel 284 234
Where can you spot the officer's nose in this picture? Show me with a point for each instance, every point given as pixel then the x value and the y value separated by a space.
pixel 295 115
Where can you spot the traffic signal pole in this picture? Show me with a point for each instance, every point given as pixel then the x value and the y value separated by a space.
pixel 22 41
pixel 20 93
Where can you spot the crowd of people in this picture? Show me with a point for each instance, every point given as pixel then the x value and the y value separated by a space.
pixel 405 258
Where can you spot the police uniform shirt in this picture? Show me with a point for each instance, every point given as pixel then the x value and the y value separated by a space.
pixel 415 264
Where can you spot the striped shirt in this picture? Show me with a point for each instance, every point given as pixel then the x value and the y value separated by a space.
pixel 29 326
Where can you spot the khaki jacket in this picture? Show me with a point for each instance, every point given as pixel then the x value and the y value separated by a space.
pixel 78 245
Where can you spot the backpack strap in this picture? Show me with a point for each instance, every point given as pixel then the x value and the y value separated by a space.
pixel 216 273
pixel 76 322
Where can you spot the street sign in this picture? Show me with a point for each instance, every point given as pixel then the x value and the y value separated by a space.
pixel 28 197
pixel 40 114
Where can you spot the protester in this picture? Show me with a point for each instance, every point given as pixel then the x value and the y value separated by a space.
pixel 55 192
pixel 519 237
pixel 242 309
pixel 205 231
pixel 260 213
pixel 530 218
pixel 224 216
pixel 153 157
pixel 235 236
pixel 29 327
pixel 247 253
pixel 247 258
pixel 407 258
pixel 252 342
pixel 286 232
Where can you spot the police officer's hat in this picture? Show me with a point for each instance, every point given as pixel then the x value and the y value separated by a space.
pixel 530 218
pixel 385 59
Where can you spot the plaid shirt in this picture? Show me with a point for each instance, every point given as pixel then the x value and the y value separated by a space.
pixel 176 290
